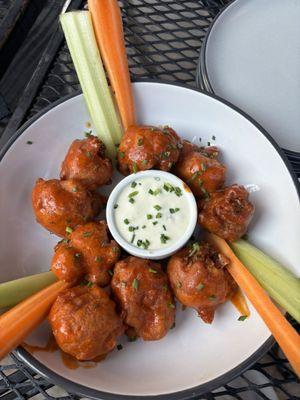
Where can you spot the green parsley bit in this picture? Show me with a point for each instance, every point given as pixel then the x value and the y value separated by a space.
pixel 122 154
pixel 200 182
pixel 131 200
pixel 150 191
pixel 140 142
pixel 69 229
pixel 153 271
pixel 171 305
pixel 178 191
pixel 164 238
pixel 144 227
pixel 98 259
pixel 164 227
pixel 139 242
pixel 89 284
pixel 29 142
pixel 158 215
pixel 165 155
pixel 119 347
pixel 116 206
pixel 132 194
pixel 146 244
pixel 155 223
pixel 242 318
pixel 194 176
pixel 131 228
pixel 157 207
pixel 213 137
pixel 126 221
pixel 133 184
pixel 134 168
pixel 203 167
pixel 111 273
pixel 168 187
pixel 87 234
pixel 208 143
pixel 149 216
pixel 135 283
pixel 132 239
pixel 200 287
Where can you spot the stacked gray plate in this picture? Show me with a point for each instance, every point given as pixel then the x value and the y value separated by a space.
pixel 251 58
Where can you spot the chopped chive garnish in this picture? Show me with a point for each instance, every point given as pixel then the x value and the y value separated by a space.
pixel 110 272
pixel 89 284
pixel 164 226
pixel 132 239
pixel 200 287
pixel 152 270
pixel 145 244
pixel 177 209
pixel 140 142
pixel 149 216
pixel 134 168
pixel 213 137
pixel 171 305
pixel 194 176
pixel 178 191
pixel 203 167
pixel 208 143
pixel 158 215
pixel 195 247
pixel 135 284
pixel 168 187
pixel 164 238
pixel 144 226
pixel 116 206
pixel 87 234
pixel 165 155
pixel 139 242
pixel 157 207
pixel 29 142
pixel 200 182
pixel 155 223
pixel 69 229
pixel 172 211
pixel 119 347
pixel 121 154
pixel 150 191
pixel 132 194
pixel 242 318
pixel 126 221
pixel 131 200
pixel 133 184
pixel 131 228
pixel 98 259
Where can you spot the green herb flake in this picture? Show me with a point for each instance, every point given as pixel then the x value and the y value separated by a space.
pixel 178 191
pixel 213 137
pixel 131 229
pixel 144 227
pixel 132 194
pixel 157 207
pixel 164 227
pixel 140 142
pixel 171 305
pixel 139 242
pixel 116 206
pixel 119 347
pixel 121 154
pixel 69 229
pixel 168 187
pixel 212 297
pixel 165 155
pixel 111 273
pixel 242 318
pixel 135 284
pixel 134 168
pixel 149 216
pixel 194 176
pixel 203 167
pixel 29 142
pixel 126 221
pixel 98 259
pixel 88 134
pixel 131 200
pixel 155 223
pixel 208 143
pixel 133 184
pixel 200 287
pixel 153 271
pixel 164 238
pixel 158 215
pixel 145 162
pixel 132 239
pixel 89 284
pixel 87 234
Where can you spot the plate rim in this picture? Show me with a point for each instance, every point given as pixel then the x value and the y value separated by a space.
pixel 187 394
pixel 202 78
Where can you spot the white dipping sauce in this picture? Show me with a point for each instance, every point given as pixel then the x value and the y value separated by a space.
pixel 152 213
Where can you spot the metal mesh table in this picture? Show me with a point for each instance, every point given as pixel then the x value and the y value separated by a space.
pixel 163 39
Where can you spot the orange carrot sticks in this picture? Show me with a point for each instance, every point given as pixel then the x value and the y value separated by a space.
pixel 20 320
pixel 108 29
pixel 285 335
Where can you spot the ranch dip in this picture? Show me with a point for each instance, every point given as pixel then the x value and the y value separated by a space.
pixel 152 213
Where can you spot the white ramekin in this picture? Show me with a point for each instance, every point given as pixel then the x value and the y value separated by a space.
pixel 151 254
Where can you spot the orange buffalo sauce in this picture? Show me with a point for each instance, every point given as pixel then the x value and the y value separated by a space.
pixel 240 303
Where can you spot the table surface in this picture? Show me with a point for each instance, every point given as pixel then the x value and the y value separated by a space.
pixel 163 39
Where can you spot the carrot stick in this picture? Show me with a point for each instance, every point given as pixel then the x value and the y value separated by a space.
pixel 20 320
pixel 285 335
pixel 108 29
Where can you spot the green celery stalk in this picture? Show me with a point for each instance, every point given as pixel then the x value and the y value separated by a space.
pixel 11 293
pixel 81 41
pixel 279 282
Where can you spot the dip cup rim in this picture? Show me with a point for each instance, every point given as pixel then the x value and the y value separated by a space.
pixel 156 254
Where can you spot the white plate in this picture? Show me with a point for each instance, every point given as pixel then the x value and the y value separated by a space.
pixel 193 357
pixel 251 57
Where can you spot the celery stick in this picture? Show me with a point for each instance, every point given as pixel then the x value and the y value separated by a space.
pixel 11 293
pixel 79 34
pixel 279 282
